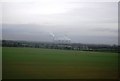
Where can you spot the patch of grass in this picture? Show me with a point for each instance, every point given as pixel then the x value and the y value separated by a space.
pixel 37 63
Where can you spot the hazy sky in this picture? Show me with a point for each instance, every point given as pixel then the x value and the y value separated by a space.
pixel 84 22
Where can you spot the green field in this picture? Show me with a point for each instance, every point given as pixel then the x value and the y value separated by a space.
pixel 37 63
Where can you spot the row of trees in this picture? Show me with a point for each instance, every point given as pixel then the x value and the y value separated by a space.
pixel 72 46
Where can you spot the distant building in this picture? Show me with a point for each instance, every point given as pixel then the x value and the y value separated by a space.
pixel 62 40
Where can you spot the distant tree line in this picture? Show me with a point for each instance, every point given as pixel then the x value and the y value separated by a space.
pixel 71 46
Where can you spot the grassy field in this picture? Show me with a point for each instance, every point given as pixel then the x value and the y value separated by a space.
pixel 37 63
pixel 0 63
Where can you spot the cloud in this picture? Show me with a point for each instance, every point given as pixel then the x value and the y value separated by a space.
pixel 106 30
pixel 80 21
pixel 59 1
pixel 24 32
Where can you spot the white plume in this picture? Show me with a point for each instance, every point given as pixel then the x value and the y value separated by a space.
pixel 52 34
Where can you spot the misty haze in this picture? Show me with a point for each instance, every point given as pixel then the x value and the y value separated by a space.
pixel 92 23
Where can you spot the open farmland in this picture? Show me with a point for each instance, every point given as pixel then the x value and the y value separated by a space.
pixel 37 63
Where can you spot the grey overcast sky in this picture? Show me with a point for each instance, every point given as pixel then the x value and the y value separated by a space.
pixel 83 22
